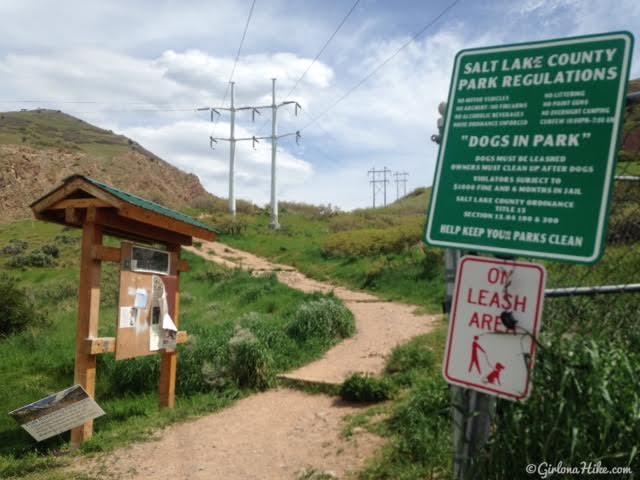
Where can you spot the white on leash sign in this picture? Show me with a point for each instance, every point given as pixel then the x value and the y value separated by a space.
pixel 495 319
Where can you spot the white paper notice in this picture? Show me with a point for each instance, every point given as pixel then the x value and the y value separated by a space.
pixel 128 317
pixel 142 297
pixel 167 323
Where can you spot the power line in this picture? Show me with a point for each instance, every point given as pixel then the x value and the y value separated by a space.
pixel 315 59
pixel 381 65
pixel 344 19
pixel 235 63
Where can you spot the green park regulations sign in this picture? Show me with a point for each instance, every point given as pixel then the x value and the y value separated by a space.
pixel 529 147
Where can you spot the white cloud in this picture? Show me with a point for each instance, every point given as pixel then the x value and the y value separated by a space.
pixel 181 143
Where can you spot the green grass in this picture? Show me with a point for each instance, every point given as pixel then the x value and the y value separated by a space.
pixel 215 301
pixel 416 423
pixel 412 274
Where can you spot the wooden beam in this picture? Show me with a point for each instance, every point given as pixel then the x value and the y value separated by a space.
pixel 153 218
pixel 97 346
pixel 67 189
pixel 117 224
pixel 105 254
pixel 169 360
pixel 80 203
pixel 71 216
pixel 87 327
pixel 183 266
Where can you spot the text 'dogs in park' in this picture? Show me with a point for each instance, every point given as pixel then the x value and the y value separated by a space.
pixel 529 146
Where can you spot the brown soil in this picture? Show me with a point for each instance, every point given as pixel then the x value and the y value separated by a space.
pixel 380 325
pixel 278 434
pixel 283 433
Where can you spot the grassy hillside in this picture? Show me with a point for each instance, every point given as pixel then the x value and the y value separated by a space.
pixel 39 148
pixel 375 249
pixel 37 342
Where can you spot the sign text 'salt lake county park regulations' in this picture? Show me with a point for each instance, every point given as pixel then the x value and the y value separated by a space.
pixel 529 147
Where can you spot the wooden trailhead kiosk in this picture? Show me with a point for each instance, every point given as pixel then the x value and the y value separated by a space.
pixel 150 266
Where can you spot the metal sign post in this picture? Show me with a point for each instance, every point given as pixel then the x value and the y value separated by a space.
pixel 529 146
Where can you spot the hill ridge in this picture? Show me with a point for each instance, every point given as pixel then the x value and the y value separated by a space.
pixel 39 148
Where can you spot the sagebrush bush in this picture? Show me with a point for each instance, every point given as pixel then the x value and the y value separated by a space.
pixel 249 360
pixel 324 319
pixel 372 241
pixel 37 259
pixel 17 309
pixel 363 388
pixel 15 247
pixel 230 225
pixel 51 250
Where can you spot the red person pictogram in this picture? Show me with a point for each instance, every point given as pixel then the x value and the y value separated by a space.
pixel 475 346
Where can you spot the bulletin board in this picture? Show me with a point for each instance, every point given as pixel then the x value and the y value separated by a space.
pixel 142 324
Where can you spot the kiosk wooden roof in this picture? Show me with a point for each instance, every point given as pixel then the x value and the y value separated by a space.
pixel 120 213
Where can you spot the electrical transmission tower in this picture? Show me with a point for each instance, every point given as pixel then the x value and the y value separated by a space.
pixel 401 178
pixel 274 144
pixel 379 183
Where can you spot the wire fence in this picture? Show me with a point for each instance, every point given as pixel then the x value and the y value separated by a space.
pixel 586 394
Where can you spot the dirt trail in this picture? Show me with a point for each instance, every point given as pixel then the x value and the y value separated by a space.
pixel 278 434
pixel 283 433
pixel 380 325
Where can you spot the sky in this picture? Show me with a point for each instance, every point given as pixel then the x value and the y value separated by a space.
pixel 143 68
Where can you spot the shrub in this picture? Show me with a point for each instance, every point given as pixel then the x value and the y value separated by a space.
pixel 34 259
pixel 249 360
pixel 372 241
pixel 324 318
pixel 15 247
pixel 51 250
pixel 66 239
pixel 363 388
pixel 40 259
pixel 17 309
pixel 230 225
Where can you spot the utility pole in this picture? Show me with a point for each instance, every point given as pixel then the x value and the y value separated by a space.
pixel 401 177
pixel 232 154
pixel 379 184
pixel 275 224
pixel 233 140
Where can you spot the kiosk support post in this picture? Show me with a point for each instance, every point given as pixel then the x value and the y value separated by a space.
pixel 168 360
pixel 88 316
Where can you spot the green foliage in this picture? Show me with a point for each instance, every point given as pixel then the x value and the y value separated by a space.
pixel 417 423
pixel 51 250
pixel 372 241
pixel 14 247
pixel 421 425
pixel 585 405
pixel 216 366
pixel 230 225
pixel 38 259
pixel 414 359
pixel 308 210
pixel 249 360
pixel 363 388
pixel 17 309
pixel 324 319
